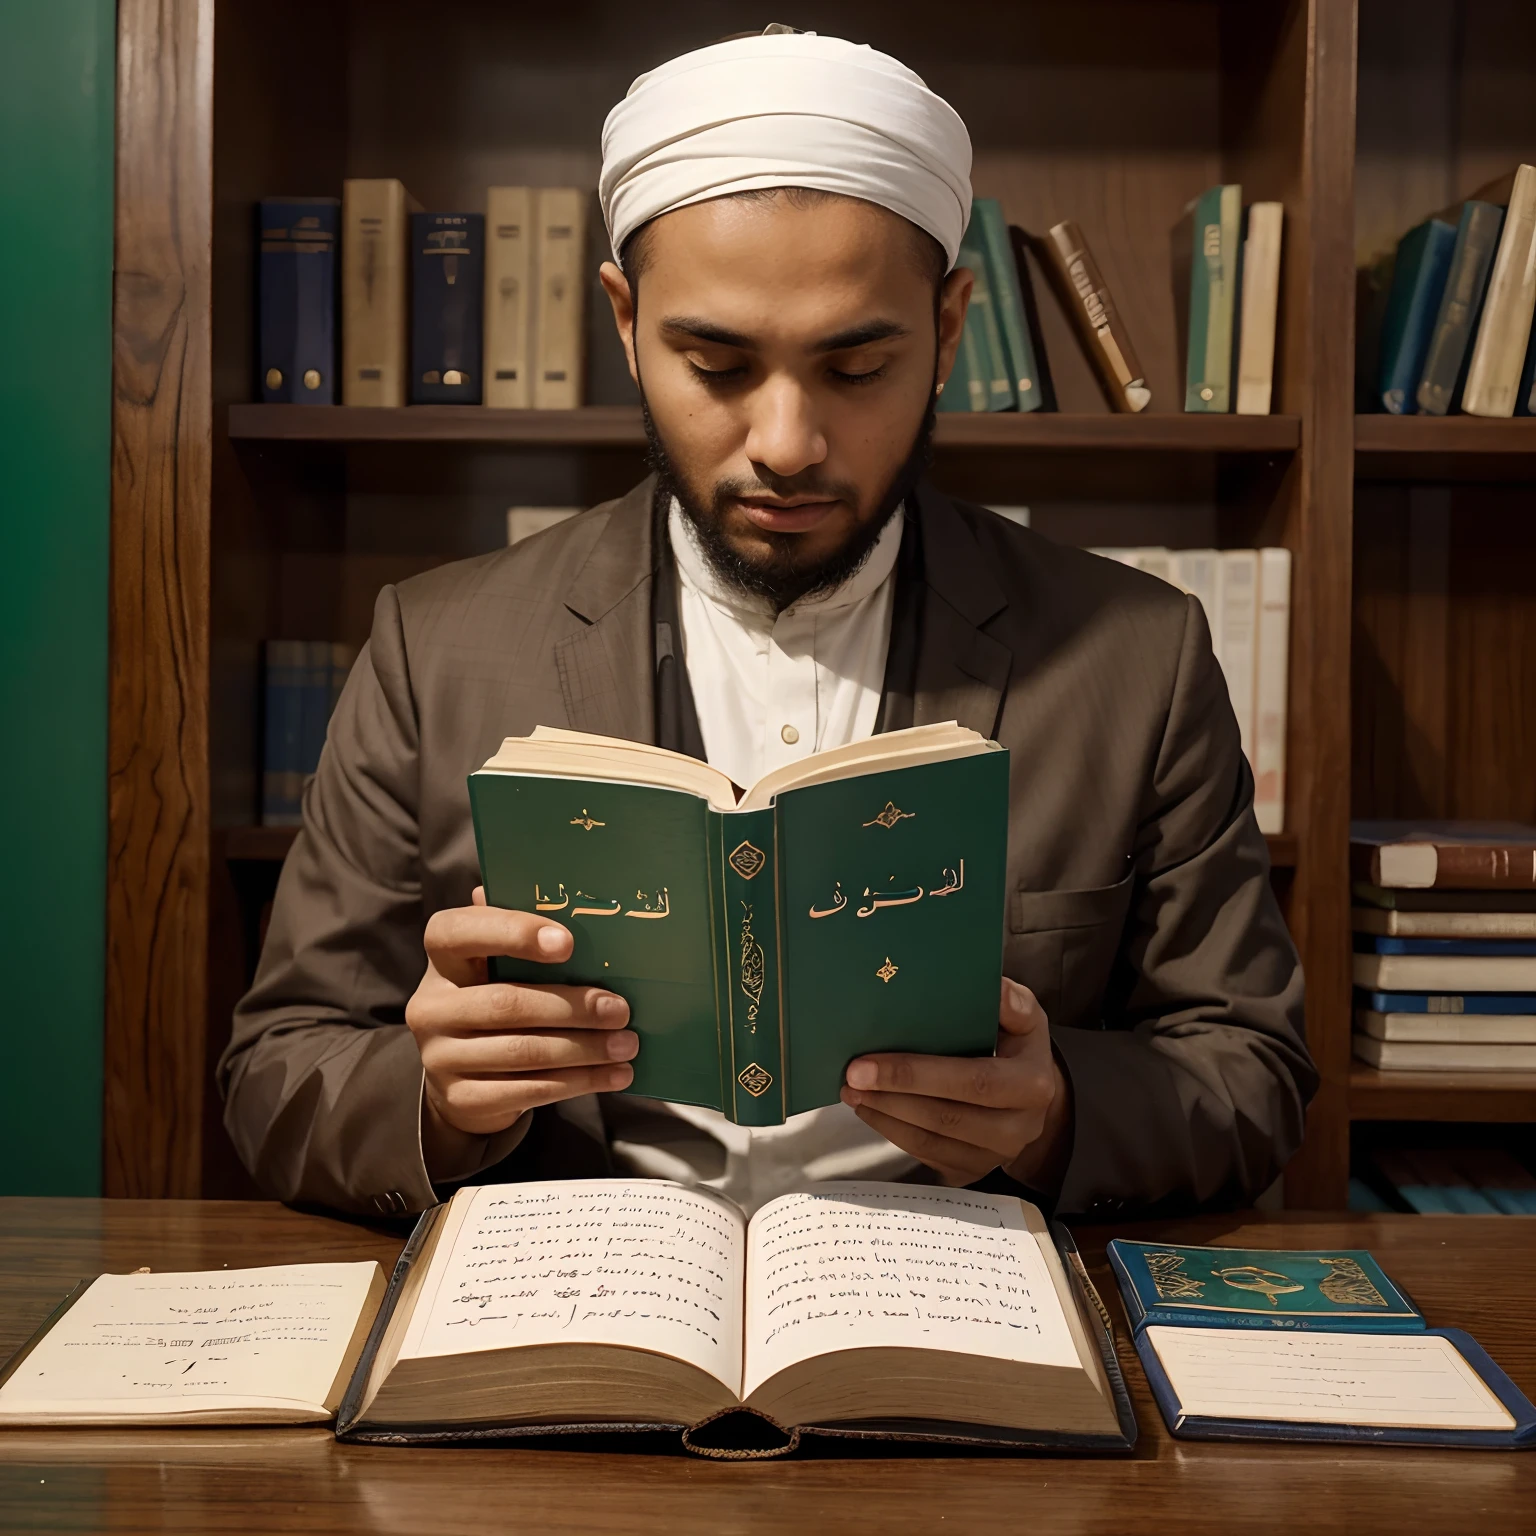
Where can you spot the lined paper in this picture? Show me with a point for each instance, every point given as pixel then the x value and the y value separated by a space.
pixel 1394 1381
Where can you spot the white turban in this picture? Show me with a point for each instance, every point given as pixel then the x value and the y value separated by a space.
pixel 786 110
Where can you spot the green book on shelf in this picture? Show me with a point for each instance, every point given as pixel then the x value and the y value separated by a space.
pixel 1007 295
pixel 1216 229
pixel 850 902
pixel 965 389
pixel 996 392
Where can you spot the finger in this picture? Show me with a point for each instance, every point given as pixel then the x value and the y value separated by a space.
pixel 1000 1084
pixel 1020 1012
pixel 954 1161
pixel 458 938
pixel 546 1051
pixel 480 1105
pixel 499 1005
pixel 1000 1132
pixel 477 896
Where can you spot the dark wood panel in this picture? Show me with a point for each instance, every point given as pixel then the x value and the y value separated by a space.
pixel 161 441
pixel 1481 1096
pixel 303 1481
pixel 1445 448
pixel 617 426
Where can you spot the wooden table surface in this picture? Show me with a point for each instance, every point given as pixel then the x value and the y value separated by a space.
pixel 1474 1272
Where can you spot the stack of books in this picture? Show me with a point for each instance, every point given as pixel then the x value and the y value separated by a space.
pixel 1445 945
pixel 1246 594
pixel 1455 1181
pixel 1448 322
pixel 433 308
pixel 303 681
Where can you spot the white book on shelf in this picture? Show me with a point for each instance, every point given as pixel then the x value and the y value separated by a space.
pixel 1237 595
pixel 560 328
pixel 1449 1028
pixel 1272 666
pixel 509 293
pixel 1260 302
pixel 1413 1056
pixel 1196 570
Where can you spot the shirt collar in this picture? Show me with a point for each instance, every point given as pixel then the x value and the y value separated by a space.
pixel 697 571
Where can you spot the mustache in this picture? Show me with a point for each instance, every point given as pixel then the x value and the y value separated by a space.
pixel 765 483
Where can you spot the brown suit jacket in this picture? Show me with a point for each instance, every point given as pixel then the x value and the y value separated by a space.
pixel 1139 907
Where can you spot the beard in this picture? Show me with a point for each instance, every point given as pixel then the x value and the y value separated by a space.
pixel 783 575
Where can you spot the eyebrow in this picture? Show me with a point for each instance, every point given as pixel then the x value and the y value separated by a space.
pixel 841 341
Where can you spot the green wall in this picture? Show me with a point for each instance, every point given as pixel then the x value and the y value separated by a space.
pixel 56 101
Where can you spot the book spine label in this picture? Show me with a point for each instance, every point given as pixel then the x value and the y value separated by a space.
pixel 560 326
pixel 997 387
pixel 1271 688
pixel 509 293
pixel 1471 261
pixel 748 935
pixel 375 255
pixel 447 296
pixel 296 301
pixel 1008 301
pixel 1504 332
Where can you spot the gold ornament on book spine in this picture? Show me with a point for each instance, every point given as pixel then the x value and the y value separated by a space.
pixel 1348 1285
pixel 887 970
pixel 585 821
pixel 1172 1284
pixel 754 968
pixel 889 816
pixel 755 1079
pixel 746 860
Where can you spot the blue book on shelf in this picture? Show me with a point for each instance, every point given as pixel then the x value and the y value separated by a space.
pixel 1376 944
pixel 296 285
pixel 282 776
pixel 447 301
pixel 1418 281
pixel 317 703
pixel 1228 1334
pixel 1446 1002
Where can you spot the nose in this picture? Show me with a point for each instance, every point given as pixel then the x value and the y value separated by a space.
pixel 783 435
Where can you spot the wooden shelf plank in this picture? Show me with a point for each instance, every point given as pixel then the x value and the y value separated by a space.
pixel 1480 1096
pixel 615 426
pixel 1445 448
pixel 273 843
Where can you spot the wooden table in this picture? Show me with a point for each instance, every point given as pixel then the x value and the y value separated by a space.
pixel 1474 1272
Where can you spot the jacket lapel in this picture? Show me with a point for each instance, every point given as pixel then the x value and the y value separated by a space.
pixel 605 665
pixel 961 670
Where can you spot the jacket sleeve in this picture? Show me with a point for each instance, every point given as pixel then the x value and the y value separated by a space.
pixel 1194 1091
pixel 321 1079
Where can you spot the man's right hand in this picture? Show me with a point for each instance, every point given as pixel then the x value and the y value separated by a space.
pixel 494 1050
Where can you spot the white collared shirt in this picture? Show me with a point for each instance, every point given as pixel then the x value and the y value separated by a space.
pixel 769 690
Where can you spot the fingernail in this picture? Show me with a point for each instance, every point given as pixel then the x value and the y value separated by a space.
pixel 620 1077
pixel 552 939
pixel 624 1045
pixel 862 1074
pixel 610 1009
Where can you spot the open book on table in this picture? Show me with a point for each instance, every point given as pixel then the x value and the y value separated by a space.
pixel 1289 1344
pixel 888 1310
pixel 849 902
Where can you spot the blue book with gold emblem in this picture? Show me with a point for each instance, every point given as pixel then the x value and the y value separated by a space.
pixel 1283 1344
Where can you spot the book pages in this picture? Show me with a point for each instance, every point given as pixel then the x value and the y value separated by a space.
pixel 860 1266
pixel 1393 1380
pixel 640 1263
pixel 136 1346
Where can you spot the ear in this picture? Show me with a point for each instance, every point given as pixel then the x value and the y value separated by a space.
pixel 616 286
pixel 954 300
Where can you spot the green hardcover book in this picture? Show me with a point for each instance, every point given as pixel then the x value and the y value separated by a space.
pixel 964 389
pixel 1008 301
pixel 997 390
pixel 1216 228
pixel 850 902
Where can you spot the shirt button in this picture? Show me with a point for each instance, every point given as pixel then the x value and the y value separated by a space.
pixel 789 735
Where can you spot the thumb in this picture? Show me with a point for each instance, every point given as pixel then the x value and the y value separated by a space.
pixel 1020 1018
pixel 478 899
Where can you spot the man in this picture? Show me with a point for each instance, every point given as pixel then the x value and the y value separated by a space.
pixel 785 213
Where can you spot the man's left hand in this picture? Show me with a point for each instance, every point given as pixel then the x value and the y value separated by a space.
pixel 965 1116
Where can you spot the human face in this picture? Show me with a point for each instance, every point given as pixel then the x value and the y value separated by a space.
pixel 788 355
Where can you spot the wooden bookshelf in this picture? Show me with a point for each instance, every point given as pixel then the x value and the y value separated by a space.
pixel 1464 1096
pixel 234 521
pixel 1445 449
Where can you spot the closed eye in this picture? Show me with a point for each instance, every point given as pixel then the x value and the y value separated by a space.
pixel 715 377
pixel 858 378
